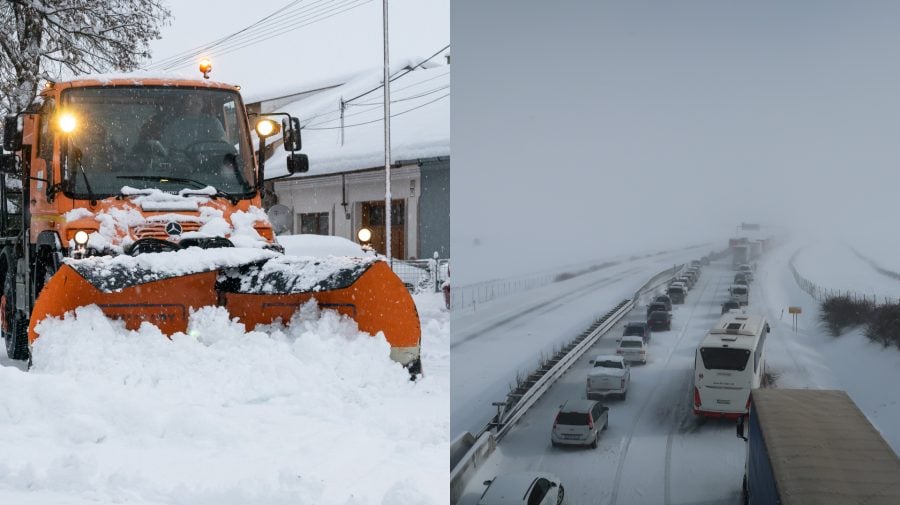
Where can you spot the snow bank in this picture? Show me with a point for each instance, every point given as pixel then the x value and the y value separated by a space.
pixel 313 412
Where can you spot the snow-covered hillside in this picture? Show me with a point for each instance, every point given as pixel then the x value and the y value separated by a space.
pixel 314 412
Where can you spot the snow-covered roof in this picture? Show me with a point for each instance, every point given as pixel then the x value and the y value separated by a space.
pixel 420 122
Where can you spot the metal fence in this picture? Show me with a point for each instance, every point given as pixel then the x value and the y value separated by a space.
pixel 422 276
pixel 822 294
pixel 476 294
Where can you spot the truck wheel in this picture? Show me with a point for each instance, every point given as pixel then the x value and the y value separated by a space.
pixel 15 325
pixel 624 395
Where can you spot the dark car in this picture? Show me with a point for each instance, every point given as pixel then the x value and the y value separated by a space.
pixel 666 300
pixel 660 320
pixel 730 304
pixel 676 293
pixel 654 306
pixel 637 329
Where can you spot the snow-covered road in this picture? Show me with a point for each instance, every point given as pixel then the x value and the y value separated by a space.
pixel 655 451
pixel 509 335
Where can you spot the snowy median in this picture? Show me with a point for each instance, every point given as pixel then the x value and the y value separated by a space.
pixel 312 412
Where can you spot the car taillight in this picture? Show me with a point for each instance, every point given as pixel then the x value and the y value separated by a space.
pixel 618 351
pixel 556 420
pixel 590 423
pixel 696 397
pixel 623 383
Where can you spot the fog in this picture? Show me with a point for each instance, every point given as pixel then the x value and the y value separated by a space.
pixel 584 130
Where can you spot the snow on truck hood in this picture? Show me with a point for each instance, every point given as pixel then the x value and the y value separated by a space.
pixel 122 223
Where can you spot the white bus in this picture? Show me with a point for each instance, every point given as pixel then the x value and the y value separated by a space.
pixel 730 361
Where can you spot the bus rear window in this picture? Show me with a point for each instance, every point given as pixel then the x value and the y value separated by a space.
pixel 716 358
pixel 739 291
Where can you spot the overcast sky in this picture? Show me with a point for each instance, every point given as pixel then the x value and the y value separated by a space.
pixel 348 41
pixel 588 129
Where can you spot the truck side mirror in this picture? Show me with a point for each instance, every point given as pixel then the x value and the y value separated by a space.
pixel 740 428
pixel 290 131
pixel 297 163
pixel 12 132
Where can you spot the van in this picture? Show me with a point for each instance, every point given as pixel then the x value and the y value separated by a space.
pixel 741 293
pixel 676 293
pixel 579 422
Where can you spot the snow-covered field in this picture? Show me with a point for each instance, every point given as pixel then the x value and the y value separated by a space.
pixel 310 413
pixel 655 451
pixel 833 265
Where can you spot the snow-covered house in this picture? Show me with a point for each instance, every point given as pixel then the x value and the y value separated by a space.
pixel 343 135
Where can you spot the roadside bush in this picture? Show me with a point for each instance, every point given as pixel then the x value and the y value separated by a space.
pixel 884 325
pixel 841 312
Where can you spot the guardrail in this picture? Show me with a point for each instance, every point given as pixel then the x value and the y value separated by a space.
pixel 468 451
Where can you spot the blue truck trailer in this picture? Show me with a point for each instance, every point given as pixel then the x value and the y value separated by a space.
pixel 815 447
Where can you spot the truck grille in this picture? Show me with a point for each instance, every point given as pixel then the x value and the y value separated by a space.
pixel 158 230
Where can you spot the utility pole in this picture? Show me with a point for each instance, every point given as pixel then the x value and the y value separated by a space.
pixel 387 140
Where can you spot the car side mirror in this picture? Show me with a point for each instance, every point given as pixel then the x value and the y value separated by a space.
pixel 12 132
pixel 290 131
pixel 297 163
pixel 552 484
pixel 591 362
pixel 488 482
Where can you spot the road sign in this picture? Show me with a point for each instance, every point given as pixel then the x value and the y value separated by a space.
pixel 794 310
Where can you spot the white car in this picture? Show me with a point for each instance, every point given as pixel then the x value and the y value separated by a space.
pixel 632 349
pixel 609 375
pixel 579 422
pixel 525 488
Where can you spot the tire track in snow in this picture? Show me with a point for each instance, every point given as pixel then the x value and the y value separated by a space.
pixel 681 414
pixel 614 496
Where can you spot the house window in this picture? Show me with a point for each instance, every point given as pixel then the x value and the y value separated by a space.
pixel 315 223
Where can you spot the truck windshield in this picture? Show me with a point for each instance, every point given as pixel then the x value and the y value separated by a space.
pixel 717 358
pixel 123 135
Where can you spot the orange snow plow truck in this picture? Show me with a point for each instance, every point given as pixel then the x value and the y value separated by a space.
pixel 143 196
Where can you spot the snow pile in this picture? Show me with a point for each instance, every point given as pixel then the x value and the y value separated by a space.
pixel 319 245
pixel 313 412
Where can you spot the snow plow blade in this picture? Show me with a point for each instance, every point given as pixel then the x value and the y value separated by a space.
pixel 259 291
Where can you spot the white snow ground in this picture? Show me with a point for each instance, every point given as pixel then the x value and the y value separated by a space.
pixel 311 413
pixel 655 451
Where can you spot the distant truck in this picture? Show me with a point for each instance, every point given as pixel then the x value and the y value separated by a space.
pixel 740 254
pixel 815 446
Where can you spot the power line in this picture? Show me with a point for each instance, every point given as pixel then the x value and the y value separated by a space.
pixel 294 17
pixel 381 119
pixel 203 47
pixel 392 79
pixel 366 108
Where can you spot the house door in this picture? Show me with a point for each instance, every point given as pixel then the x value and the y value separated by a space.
pixel 373 219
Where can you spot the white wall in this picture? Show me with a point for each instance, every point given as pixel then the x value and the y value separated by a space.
pixel 323 194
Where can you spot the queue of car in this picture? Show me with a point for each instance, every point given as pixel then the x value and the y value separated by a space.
pixel 580 422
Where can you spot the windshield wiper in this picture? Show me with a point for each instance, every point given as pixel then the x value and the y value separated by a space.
pixel 165 178
pixel 87 183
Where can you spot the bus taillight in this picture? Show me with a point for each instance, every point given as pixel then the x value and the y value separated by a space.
pixel 696 397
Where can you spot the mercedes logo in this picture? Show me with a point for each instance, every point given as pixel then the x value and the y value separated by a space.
pixel 173 228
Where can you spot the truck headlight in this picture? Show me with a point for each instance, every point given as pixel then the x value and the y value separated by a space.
pixel 81 237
